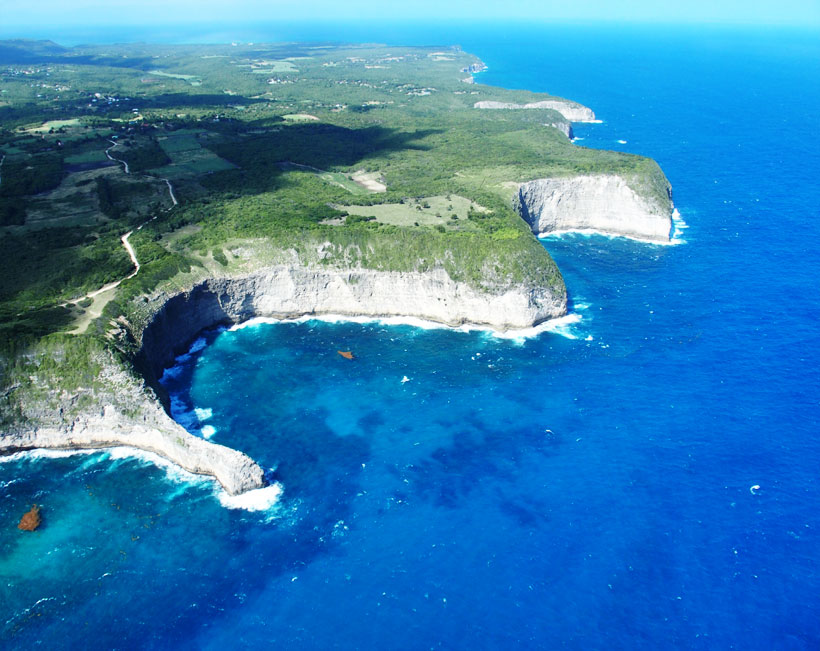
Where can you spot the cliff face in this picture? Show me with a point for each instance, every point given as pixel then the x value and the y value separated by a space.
pixel 153 431
pixel 602 203
pixel 286 290
pixel 124 412
pixel 119 411
pixel 570 110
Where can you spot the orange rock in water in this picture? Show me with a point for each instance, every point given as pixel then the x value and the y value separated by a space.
pixel 345 353
pixel 31 520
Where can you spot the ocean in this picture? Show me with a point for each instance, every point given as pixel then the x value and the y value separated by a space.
pixel 645 476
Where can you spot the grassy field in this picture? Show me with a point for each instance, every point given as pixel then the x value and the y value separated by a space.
pixel 450 211
pixel 300 117
pixel 91 156
pixel 339 179
pixel 192 163
pixel 177 142
pixel 53 124
pixel 271 67
pixel 194 80
pixel 189 159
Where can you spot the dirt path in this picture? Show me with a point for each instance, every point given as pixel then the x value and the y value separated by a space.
pixel 117 160
pixel 102 296
pixel 170 192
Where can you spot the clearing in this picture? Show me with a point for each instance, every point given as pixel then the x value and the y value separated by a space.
pixel 53 124
pixel 188 156
pixel 268 67
pixel 448 211
pixel 76 202
pixel 194 80
pixel 300 117
pixel 372 181
pixel 334 178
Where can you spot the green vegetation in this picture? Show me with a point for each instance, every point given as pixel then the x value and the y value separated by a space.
pixel 51 125
pixel 346 156
pixel 27 175
pixel 452 211
pixel 143 157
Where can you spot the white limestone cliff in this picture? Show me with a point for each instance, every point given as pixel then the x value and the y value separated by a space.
pixel 285 291
pixel 572 111
pixel 154 431
pixel 602 202
pixel 130 414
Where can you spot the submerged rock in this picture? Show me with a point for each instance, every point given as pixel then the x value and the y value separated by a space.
pixel 30 520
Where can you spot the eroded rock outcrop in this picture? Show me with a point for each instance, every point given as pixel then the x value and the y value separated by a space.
pixel 604 203
pixel 572 111
pixel 150 430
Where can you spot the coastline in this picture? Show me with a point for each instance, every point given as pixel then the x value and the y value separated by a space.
pixel 258 499
pixel 239 481
pixel 288 291
pixel 127 412
pixel 675 239
pixel 599 203
pixel 293 293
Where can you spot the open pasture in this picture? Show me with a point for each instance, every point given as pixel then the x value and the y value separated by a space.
pixel 448 211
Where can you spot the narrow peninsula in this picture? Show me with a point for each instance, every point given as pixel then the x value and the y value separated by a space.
pixel 149 192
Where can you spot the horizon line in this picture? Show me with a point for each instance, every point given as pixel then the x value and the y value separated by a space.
pixel 194 25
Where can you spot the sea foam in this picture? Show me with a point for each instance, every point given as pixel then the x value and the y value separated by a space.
pixel 591 232
pixel 260 499
pixel 552 325
pixel 678 226
pixel 173 472
pixel 198 345
pixel 182 414
pixel 35 455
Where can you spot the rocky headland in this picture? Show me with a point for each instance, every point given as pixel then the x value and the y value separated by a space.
pixel 603 203
pixel 253 236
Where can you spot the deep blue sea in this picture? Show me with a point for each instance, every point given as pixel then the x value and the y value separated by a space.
pixel 589 488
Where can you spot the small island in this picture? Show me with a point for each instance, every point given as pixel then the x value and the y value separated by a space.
pixel 148 192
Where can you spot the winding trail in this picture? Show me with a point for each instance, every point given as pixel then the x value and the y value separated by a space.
pixel 131 254
pixel 128 248
pixel 117 160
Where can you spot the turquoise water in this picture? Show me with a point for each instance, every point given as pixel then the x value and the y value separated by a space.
pixel 589 488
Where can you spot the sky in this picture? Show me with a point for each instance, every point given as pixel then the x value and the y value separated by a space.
pixel 91 13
